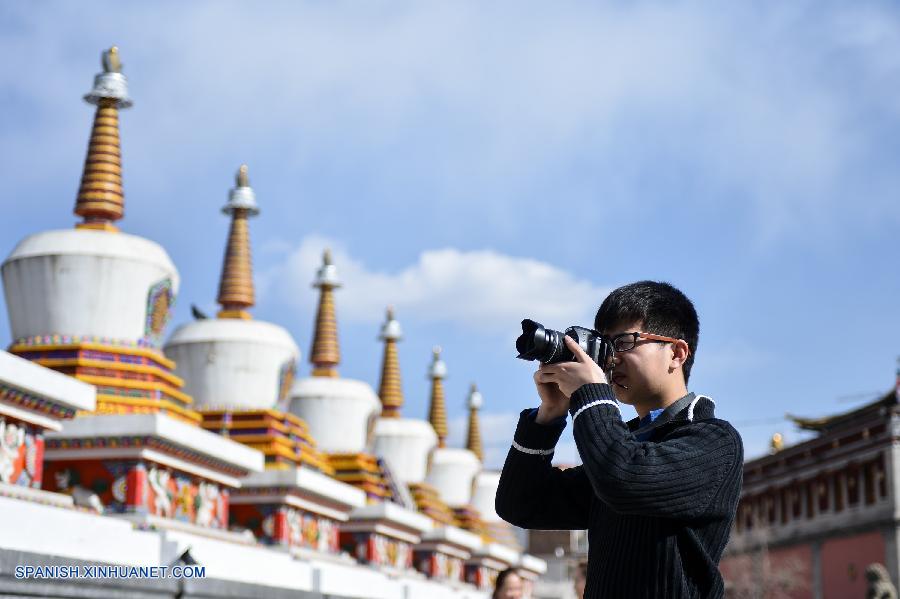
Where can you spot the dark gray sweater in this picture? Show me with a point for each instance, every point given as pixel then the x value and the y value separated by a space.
pixel 658 512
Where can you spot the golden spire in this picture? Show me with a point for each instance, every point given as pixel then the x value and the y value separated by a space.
pixel 390 390
pixel 101 200
pixel 473 438
pixel 236 292
pixel 326 354
pixel 437 412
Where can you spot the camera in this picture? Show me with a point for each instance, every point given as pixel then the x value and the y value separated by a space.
pixel 548 346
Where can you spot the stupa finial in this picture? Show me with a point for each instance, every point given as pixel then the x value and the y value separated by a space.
pixel 109 59
pixel 390 389
pixel 242 179
pixel 101 199
pixel 326 355
pixel 473 438
pixel 236 291
pixel 437 411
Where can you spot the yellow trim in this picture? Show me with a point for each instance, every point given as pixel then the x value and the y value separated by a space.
pixel 278 466
pixel 112 349
pixel 246 439
pixel 99 226
pixel 237 314
pixel 147 403
pixel 220 424
pixel 267 412
pixel 124 366
pixel 353 463
pixel 358 478
pixel 109 381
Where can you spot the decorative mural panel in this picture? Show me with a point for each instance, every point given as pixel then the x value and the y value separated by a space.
pixel 128 486
pixel 288 526
pixel 312 531
pixel 439 566
pixel 285 381
pixel 160 301
pixel 21 454
pixel 377 549
pixel 481 576
pixel 189 499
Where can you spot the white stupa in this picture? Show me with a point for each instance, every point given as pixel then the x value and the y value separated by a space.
pixel 234 361
pixel 405 443
pixel 92 282
pixel 340 412
pixel 240 372
pixel 93 302
pixel 452 470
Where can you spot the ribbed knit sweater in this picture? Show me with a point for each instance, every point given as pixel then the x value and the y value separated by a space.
pixel 658 512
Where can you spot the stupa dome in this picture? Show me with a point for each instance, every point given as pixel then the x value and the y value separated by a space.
pixel 84 283
pixel 233 361
pixel 452 473
pixel 340 412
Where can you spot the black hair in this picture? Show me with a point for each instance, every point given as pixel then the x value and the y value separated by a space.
pixel 501 578
pixel 661 308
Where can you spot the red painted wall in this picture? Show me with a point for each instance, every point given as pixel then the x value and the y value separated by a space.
pixel 790 572
pixel 844 562
pixel 783 573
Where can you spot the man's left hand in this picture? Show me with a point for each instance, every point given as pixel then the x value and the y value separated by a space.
pixel 570 376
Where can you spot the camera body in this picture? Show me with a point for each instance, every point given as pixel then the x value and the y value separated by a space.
pixel 548 346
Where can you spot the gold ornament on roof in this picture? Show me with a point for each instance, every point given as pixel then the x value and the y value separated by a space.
pixel 777 443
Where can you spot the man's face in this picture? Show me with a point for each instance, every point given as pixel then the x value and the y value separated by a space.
pixel 640 373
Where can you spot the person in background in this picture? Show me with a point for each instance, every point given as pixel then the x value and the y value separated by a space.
pixel 508 585
pixel 580 578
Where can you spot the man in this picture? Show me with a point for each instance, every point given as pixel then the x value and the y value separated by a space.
pixel 658 494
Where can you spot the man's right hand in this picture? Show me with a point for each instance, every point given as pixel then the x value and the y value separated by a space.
pixel 554 404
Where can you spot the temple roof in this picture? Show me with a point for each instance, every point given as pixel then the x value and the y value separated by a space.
pixel 826 424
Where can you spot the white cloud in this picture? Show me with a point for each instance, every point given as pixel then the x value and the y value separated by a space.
pixel 478 290
pixel 495 99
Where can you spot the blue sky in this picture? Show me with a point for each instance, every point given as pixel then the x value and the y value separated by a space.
pixel 475 164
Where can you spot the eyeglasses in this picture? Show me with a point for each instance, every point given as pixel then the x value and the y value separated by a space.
pixel 626 341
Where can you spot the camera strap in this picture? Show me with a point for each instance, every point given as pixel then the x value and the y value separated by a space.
pixel 668 414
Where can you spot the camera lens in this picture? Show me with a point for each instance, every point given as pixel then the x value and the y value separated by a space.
pixel 544 345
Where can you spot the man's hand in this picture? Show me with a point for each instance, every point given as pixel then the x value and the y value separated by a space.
pixel 553 403
pixel 567 377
